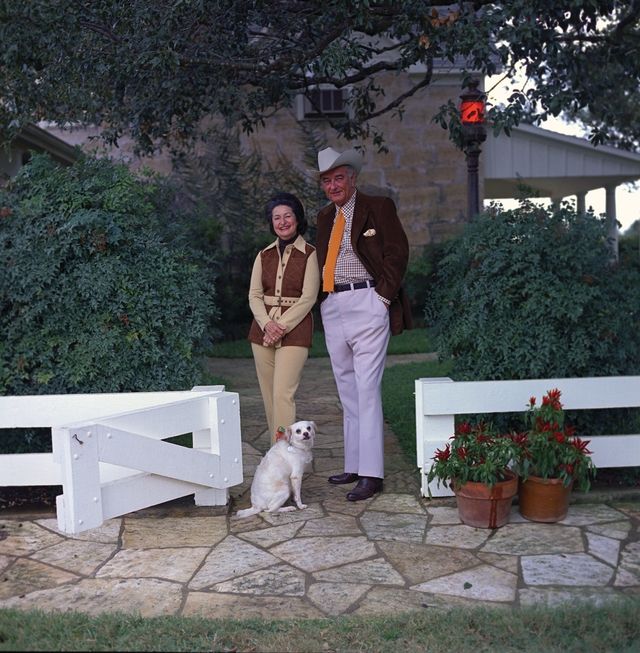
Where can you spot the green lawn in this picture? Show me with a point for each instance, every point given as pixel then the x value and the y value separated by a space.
pixel 399 401
pixel 409 342
pixel 566 629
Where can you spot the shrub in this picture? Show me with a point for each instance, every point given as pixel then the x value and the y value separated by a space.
pixel 97 292
pixel 534 293
pixel 419 278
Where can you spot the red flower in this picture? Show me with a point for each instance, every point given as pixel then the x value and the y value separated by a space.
pixel 481 437
pixel 554 395
pixel 552 399
pixel 443 455
pixel 519 438
pixel 542 424
pixel 463 428
pixel 581 445
pixel 567 468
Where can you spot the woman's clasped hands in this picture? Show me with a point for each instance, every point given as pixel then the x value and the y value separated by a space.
pixel 273 332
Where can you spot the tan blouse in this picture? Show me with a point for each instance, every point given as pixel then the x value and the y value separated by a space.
pixel 284 289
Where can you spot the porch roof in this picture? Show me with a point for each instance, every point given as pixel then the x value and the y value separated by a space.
pixel 554 164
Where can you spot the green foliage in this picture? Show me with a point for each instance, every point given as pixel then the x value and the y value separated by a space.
pixel 419 278
pixel 161 71
pixel 30 440
pixel 98 291
pixel 548 449
pixel 534 293
pixel 629 245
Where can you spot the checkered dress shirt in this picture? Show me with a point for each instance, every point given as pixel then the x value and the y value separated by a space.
pixel 349 268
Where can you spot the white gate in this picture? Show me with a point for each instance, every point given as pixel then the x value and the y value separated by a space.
pixel 438 400
pixel 108 453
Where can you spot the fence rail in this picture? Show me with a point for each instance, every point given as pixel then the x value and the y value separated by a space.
pixel 439 400
pixel 109 455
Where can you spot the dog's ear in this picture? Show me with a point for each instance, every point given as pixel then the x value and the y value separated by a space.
pixel 287 434
pixel 314 427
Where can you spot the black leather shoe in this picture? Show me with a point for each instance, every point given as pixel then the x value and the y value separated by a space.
pixel 341 479
pixel 365 489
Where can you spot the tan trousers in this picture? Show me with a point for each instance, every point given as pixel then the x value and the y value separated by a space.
pixel 279 371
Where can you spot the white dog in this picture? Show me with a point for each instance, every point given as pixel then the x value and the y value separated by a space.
pixel 279 474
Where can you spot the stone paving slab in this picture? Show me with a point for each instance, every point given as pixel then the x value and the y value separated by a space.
pixel 397 552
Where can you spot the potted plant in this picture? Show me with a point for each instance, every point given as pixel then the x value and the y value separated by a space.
pixel 475 465
pixel 550 460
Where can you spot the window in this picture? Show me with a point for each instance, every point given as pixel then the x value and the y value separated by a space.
pixel 330 100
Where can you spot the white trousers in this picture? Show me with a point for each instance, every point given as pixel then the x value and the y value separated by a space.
pixel 356 329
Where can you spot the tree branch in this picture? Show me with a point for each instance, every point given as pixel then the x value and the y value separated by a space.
pixel 629 18
pixel 401 98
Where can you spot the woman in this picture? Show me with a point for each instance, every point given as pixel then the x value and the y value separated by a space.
pixel 284 287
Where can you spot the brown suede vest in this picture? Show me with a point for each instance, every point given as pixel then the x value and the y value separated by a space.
pixel 302 334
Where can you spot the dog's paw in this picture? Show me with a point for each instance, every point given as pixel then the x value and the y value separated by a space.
pixel 248 512
pixel 302 506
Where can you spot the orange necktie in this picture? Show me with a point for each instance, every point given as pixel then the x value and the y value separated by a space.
pixel 332 254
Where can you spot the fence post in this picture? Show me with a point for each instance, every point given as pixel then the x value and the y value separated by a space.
pixel 80 507
pixel 223 438
pixel 432 431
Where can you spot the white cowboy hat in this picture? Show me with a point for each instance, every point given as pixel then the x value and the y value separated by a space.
pixel 330 158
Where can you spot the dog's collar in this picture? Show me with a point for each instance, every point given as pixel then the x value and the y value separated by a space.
pixel 291 447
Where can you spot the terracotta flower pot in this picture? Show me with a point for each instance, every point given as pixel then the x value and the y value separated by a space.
pixel 483 507
pixel 543 501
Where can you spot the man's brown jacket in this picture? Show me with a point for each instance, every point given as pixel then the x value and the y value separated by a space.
pixel 384 252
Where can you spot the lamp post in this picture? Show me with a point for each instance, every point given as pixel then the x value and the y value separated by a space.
pixel 472 110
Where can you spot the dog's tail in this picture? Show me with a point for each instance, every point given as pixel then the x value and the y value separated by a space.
pixel 241 514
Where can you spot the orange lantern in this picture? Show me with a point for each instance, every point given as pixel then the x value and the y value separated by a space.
pixel 472 112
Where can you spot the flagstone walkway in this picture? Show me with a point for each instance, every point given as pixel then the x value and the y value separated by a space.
pixel 391 554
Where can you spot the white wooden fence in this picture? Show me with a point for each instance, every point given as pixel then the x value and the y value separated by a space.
pixel 108 453
pixel 438 400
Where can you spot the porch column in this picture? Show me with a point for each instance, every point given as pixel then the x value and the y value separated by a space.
pixel 611 217
pixel 556 201
pixel 581 203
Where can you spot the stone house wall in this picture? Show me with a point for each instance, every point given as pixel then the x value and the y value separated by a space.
pixel 422 172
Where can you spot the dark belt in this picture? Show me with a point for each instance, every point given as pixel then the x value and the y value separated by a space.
pixel 341 287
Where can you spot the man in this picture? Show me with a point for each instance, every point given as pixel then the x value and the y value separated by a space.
pixel 363 254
